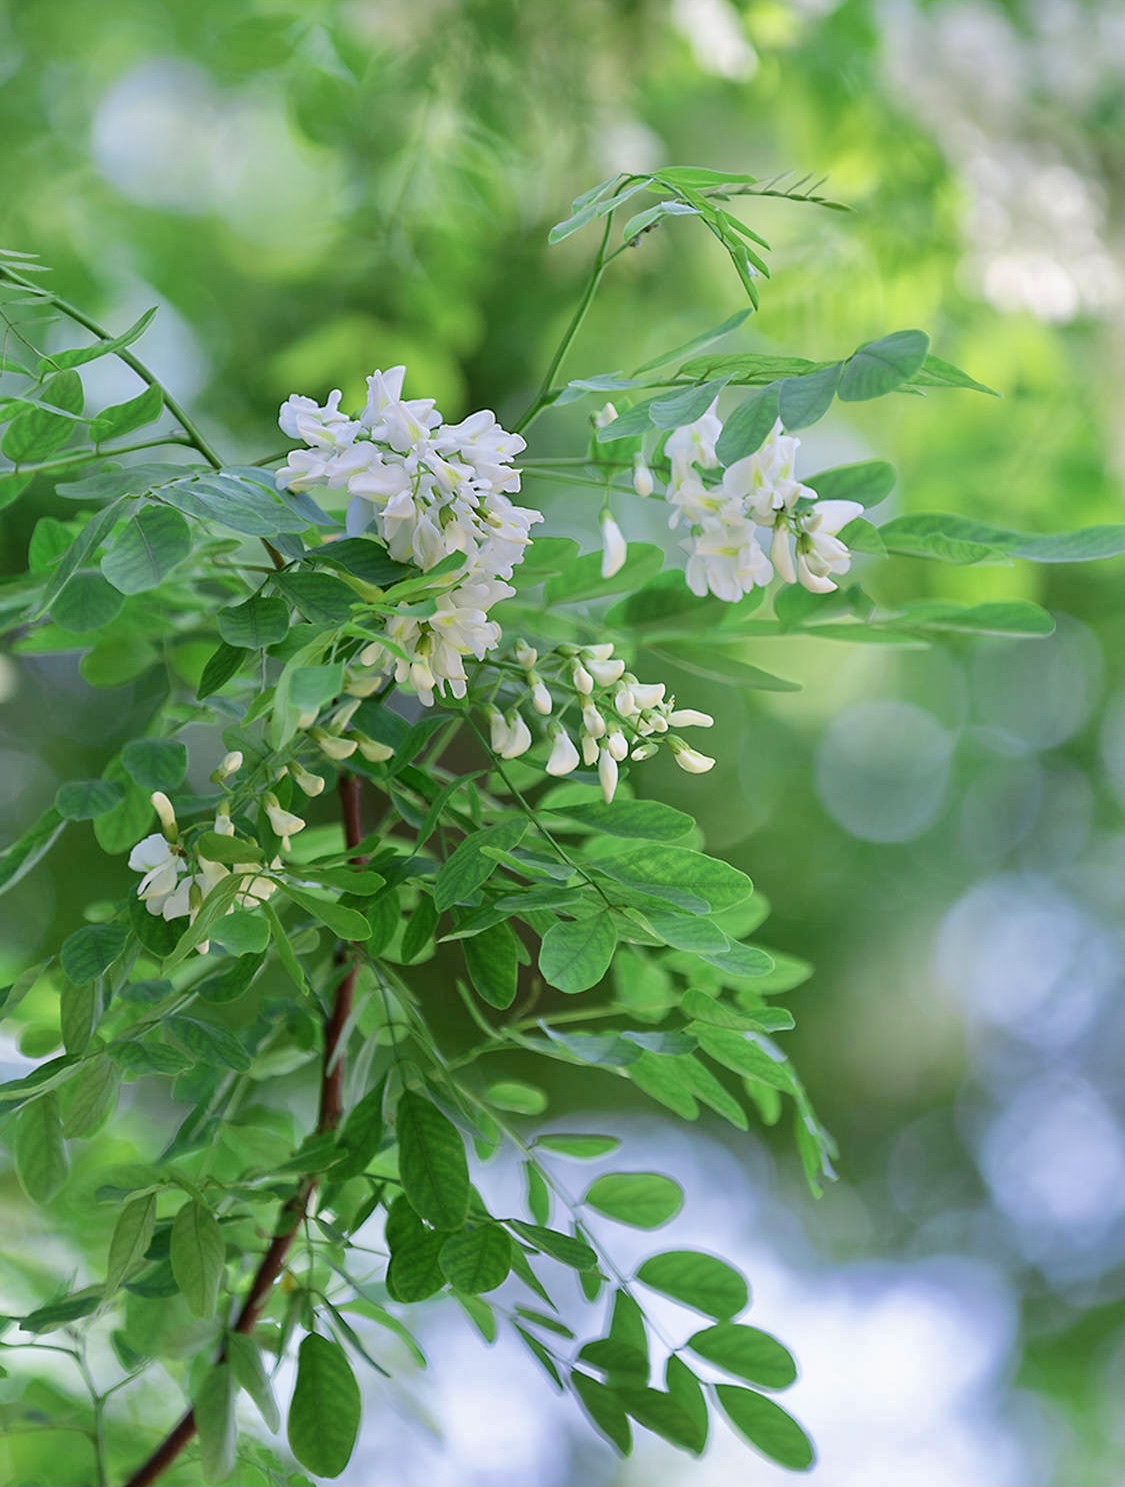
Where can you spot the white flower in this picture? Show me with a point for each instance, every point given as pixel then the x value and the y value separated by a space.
pixel 694 443
pixel 519 738
pixel 647 694
pixel 819 551
pixel 526 655
pixel 323 428
pixel 643 483
pixel 590 750
pixel 564 756
pixel 688 758
pixel 617 744
pixel 392 421
pixel 607 775
pixel 583 681
pixel 331 467
pixel 726 561
pixel 615 550
pixel 605 416
pixel 161 866
pixel 687 717
pixel 592 721
pixel 284 823
pixel 497 729
pixel 332 745
pixel 541 699
pixel 605 673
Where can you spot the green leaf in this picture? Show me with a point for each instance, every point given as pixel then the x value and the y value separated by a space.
pixel 325 1411
pixel 702 177
pixel 605 1410
pixel 79 355
pixel 650 820
pixel 132 1235
pixel 312 687
pixel 322 599
pixel 643 1199
pixel 515 1095
pixel 937 373
pixel 82 548
pixel 255 624
pixel 88 602
pixel 492 961
pixel 146 549
pixel 594 208
pixel 719 665
pixel 805 399
pixel 84 800
pixel 198 1254
pixel 695 344
pixel 666 1416
pixel 467 868
pixel 878 367
pixel 155 763
pixel 564 1248
pixel 432 1165
pixel 767 1427
pixel 697 1280
pixel 249 1374
pixel 228 983
pixel 362 557
pixel 123 418
pixel 684 406
pixel 746 429
pixel 584 1148
pixel 209 1045
pixel 688 879
pixel 243 932
pixel 747 1353
pixel 346 924
pixel 739 1051
pixel 576 953
pixel 958 539
pixel 79 1009
pixel 90 951
pixel 217 1422
pixel 221 666
pixel 28 849
pixel 749 369
pixel 37 431
pixel 477 1260
pixel 583 578
pixel 868 482
pixel 91 1097
pixel 1001 617
pixel 38 1148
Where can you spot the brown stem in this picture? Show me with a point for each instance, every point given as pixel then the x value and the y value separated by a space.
pixel 292 1215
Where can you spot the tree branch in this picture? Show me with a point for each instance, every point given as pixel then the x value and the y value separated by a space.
pixel 293 1214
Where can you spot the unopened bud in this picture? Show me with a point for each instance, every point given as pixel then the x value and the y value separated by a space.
pixel 163 808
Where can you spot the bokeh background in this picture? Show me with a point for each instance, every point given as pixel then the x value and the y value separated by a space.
pixel 310 189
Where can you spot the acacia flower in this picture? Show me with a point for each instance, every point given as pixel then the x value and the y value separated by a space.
pixel 564 756
pixel 607 775
pixel 284 823
pixel 688 758
pixel 615 549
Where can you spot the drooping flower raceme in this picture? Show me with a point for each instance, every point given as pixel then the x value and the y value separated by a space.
pixel 427 490
pixel 756 499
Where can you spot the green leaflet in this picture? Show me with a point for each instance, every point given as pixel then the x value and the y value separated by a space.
pixel 325 1411
pixel 746 1352
pixel 197 1255
pixel 768 1427
pixel 478 1259
pixel 645 1200
pixel 432 1164
pixel 701 1281
pixel 575 954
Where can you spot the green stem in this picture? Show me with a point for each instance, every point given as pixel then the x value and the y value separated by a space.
pixel 543 396
pixel 80 456
pixel 72 312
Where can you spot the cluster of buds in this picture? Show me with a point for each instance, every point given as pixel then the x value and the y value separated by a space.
pixel 616 717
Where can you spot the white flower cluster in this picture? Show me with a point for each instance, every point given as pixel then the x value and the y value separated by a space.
pixel 725 518
pixel 617 717
pixel 174 885
pixel 428 490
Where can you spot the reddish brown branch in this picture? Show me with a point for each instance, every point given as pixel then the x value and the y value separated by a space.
pixel 292 1215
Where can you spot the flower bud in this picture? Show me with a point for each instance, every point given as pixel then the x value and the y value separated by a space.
pixel 224 826
pixel 592 721
pixel 605 416
pixel 643 483
pixel 583 681
pixel 617 744
pixel 163 808
pixel 360 685
pixel 688 758
pixel 311 784
pixel 230 764
pixel 607 775
pixel 687 717
pixel 589 750
pixel 526 655
pixel 497 730
pixel 374 751
pixel 540 697
pixel 605 673
pixel 332 745
pixel 644 751
pixel 614 547
pixel 647 694
pixel 519 738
